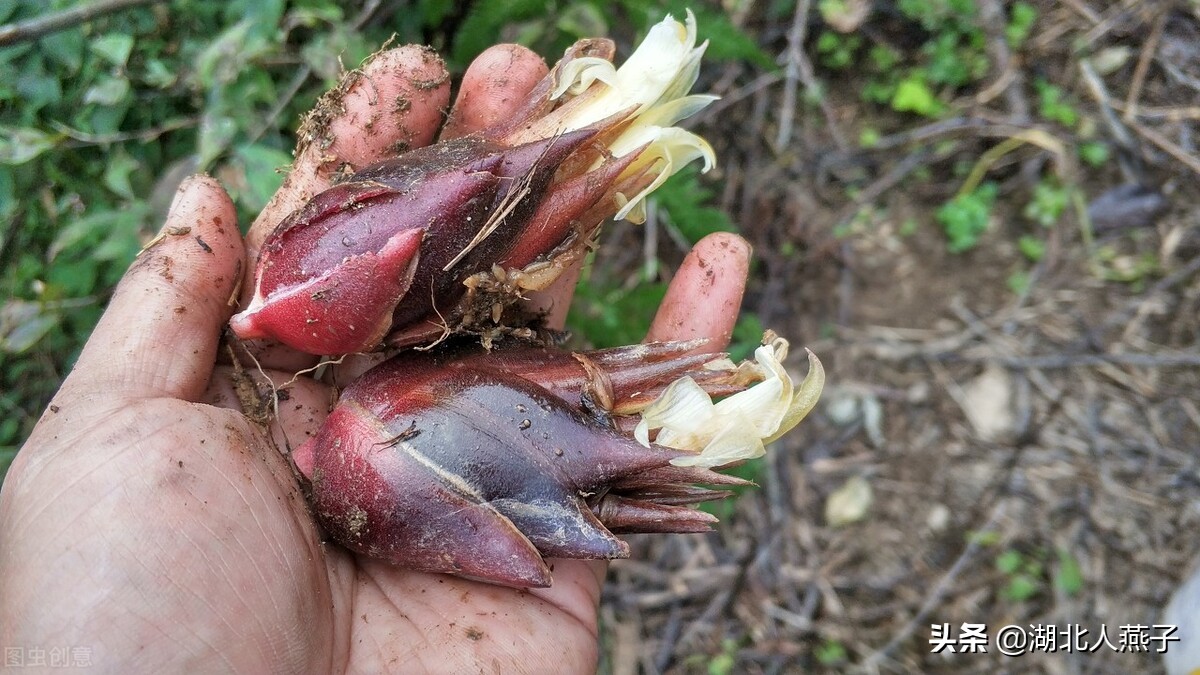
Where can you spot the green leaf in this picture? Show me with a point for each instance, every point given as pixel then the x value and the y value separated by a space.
pixel 65 48
pixel 883 57
pixel 262 16
pixel 914 95
pixel 38 89
pixel 8 195
pixel 1020 24
pixel 983 537
pixel 8 8
pixel 19 145
pixel 311 17
pixel 605 316
pixel 722 664
pixel 1068 577
pixel 837 51
pixel 1052 106
pixel 23 324
pixel 114 48
pixel 1009 561
pixel 158 75
pixel 91 228
pixel 8 434
pixel 830 653
pixel 261 165
pixel 119 167
pixel 6 457
pixel 966 217
pixel 747 336
pixel 1018 282
pixel 582 20
pixel 1049 202
pixel 1021 587
pixel 486 20
pixel 1094 153
pixel 229 55
pixel 1032 247
pixel 216 131
pixel 108 91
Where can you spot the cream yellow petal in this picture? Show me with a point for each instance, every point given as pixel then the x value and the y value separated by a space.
pixel 578 74
pixel 662 68
pixel 731 445
pixel 679 406
pixel 674 146
pixel 804 399
pixel 737 427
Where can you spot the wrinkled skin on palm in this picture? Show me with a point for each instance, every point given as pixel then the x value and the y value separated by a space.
pixel 482 464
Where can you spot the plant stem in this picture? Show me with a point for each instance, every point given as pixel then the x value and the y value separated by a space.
pixel 41 26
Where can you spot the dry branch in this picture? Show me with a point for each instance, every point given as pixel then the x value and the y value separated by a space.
pixel 42 26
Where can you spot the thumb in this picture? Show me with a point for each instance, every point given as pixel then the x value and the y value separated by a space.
pixel 160 333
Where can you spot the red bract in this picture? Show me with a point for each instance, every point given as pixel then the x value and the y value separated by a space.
pixel 403 248
pixel 330 278
pixel 480 464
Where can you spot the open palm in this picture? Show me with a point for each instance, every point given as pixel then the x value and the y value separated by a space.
pixel 149 522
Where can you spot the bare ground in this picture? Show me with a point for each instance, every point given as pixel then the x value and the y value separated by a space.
pixel 1032 457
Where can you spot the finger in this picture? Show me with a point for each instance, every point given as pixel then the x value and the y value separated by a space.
pixel 302 403
pixel 159 335
pixel 704 297
pixel 392 103
pixel 494 86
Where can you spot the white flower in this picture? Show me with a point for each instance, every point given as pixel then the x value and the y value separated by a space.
pixel 739 426
pixel 651 88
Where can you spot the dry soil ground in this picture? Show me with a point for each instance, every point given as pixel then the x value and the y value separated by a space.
pixel 1031 458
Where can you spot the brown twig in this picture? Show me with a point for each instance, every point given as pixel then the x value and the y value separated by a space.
pixel 791 80
pixel 1058 361
pixel 1143 65
pixel 977 125
pixel 1166 145
pixel 1009 79
pixel 1083 10
pixel 800 71
pixel 32 29
pixel 1184 113
pixel 741 93
pixel 1168 282
pixel 143 135
pixel 1115 14
pixel 1098 90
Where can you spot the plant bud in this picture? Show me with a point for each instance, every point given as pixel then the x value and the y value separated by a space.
pixel 403 247
pixel 481 464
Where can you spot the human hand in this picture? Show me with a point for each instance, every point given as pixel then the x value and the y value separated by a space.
pixel 149 520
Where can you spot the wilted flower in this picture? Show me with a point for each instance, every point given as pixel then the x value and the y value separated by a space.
pixel 737 427
pixel 406 246
pixel 482 463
